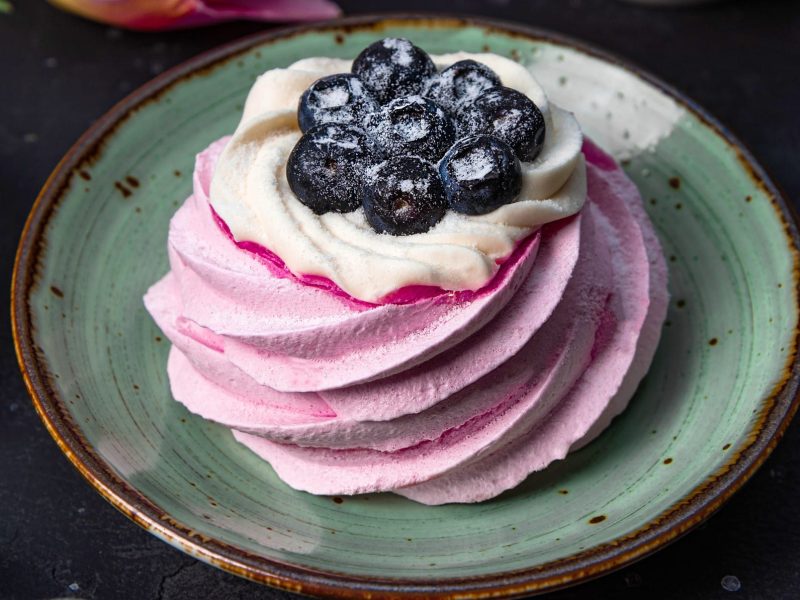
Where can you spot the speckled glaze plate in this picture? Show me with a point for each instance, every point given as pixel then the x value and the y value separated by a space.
pixel 717 398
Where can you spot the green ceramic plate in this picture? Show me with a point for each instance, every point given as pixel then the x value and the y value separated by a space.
pixel 720 393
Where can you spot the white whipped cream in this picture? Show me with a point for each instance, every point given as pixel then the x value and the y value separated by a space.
pixel 250 192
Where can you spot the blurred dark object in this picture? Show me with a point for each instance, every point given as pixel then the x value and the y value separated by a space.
pixel 154 15
pixel 669 2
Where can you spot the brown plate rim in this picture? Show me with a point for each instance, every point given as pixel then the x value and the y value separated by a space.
pixel 777 409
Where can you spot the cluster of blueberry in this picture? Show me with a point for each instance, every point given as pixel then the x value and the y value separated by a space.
pixel 406 142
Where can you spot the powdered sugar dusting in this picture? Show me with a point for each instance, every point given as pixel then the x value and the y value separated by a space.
pixel 412 130
pixel 507 122
pixel 403 50
pixel 392 68
pixel 471 84
pixel 349 143
pixel 332 97
pixel 461 82
pixel 337 98
pixel 509 115
pixel 411 186
pixel 411 125
pixel 474 165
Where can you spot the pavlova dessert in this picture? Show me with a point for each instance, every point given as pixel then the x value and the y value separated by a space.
pixel 409 273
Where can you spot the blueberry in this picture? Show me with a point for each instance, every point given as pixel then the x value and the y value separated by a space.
pixel 392 68
pixel 340 98
pixel 326 167
pixel 412 125
pixel 404 195
pixel 460 82
pixel 480 173
pixel 508 115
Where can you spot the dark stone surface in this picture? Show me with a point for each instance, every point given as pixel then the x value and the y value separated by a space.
pixel 59 538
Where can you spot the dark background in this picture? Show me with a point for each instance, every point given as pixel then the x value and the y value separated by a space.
pixel 59 538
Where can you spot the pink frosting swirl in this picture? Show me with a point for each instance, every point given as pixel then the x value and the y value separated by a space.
pixel 439 396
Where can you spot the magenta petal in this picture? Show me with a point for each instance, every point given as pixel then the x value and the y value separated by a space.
pixel 270 10
pixel 208 12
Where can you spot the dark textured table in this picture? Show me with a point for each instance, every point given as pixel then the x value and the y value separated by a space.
pixel 58 538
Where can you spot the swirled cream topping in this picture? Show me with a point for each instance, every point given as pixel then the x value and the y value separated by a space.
pixel 249 191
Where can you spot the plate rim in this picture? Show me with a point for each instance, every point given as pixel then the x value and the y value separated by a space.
pixel 692 509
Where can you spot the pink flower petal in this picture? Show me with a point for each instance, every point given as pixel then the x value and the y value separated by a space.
pixel 153 15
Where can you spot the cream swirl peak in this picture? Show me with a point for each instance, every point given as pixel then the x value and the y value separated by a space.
pixel 250 192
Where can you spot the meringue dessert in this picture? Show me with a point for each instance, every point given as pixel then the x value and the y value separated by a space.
pixel 411 274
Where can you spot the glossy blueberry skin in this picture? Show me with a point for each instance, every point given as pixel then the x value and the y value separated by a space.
pixel 480 174
pixel 393 68
pixel 326 168
pixel 459 83
pixel 340 98
pixel 411 125
pixel 403 196
pixel 508 115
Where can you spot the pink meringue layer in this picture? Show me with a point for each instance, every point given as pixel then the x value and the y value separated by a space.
pixel 295 337
pixel 445 397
